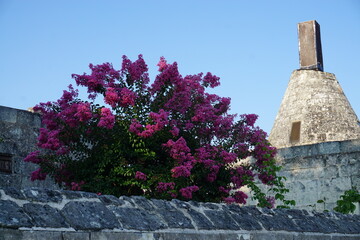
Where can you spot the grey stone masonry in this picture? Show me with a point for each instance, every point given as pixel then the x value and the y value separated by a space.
pixel 314 109
pixel 322 171
pixel 37 213
pixel 19 130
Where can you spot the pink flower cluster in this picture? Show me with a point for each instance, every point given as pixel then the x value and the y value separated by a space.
pixel 140 176
pixel 38 175
pixel 107 119
pixel 76 186
pixel 187 192
pixel 160 119
pixel 119 97
pixel 165 186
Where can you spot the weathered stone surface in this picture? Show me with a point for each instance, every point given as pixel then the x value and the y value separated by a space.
pixel 133 218
pixel 200 236
pixel 18 133
pixel 14 193
pixel 43 195
pixel 277 223
pixel 172 216
pixel 315 99
pixel 45 216
pixel 111 200
pixel 89 215
pixel 272 236
pixel 12 216
pixel 175 219
pixel 104 217
pixel 76 236
pixel 121 236
pixel 221 220
pixel 318 175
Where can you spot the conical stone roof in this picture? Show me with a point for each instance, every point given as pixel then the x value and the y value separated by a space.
pixel 314 109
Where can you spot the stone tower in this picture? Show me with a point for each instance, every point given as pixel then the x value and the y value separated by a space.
pixel 314 108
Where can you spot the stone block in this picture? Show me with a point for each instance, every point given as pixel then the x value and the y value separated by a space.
pixel 12 216
pixel 346 237
pixel 221 219
pixel 111 200
pixel 328 148
pixel 133 218
pixel 278 223
pixel 143 203
pixel 43 195
pixel 350 146
pixel 89 216
pixel 14 193
pixel 41 235
pixel 200 236
pixel 200 220
pixel 175 219
pixel 8 115
pixel 45 216
pixel 307 236
pixel 76 236
pixel 28 118
pixel 10 234
pixel 121 236
pixel 271 236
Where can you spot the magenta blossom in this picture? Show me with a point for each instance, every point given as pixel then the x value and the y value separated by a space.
pixel 188 191
pixel 107 119
pixel 140 176
pixel 38 175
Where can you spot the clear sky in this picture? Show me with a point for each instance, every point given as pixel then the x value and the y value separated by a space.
pixel 251 45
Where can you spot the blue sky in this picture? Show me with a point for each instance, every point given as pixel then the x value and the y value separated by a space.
pixel 251 45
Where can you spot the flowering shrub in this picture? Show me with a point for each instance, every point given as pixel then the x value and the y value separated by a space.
pixel 170 139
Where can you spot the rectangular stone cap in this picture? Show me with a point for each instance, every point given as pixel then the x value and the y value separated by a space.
pixel 310 52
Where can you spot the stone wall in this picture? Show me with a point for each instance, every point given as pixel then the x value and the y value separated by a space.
pixel 18 136
pixel 37 213
pixel 320 171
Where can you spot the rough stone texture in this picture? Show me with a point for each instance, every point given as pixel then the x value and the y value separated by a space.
pixel 317 100
pixel 321 171
pixel 19 130
pixel 310 51
pixel 133 218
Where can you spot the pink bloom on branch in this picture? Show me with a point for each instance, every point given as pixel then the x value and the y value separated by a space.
pixel 175 131
pixel 229 200
pixel 107 119
pixel 140 176
pixel 38 175
pixel 211 80
pixel 33 157
pixel 240 197
pixel 83 112
pixel 76 186
pixel 128 97
pixel 111 97
pixel 135 127
pixel 162 64
pixel 188 191
pixel 164 186
pixel 250 118
pixel 181 171
pixel 49 139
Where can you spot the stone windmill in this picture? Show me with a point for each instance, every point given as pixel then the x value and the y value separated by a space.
pixel 314 108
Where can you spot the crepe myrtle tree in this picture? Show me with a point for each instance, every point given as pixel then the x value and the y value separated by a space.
pixel 169 139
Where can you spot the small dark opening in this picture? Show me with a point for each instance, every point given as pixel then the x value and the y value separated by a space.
pixel 295 132
pixel 5 163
